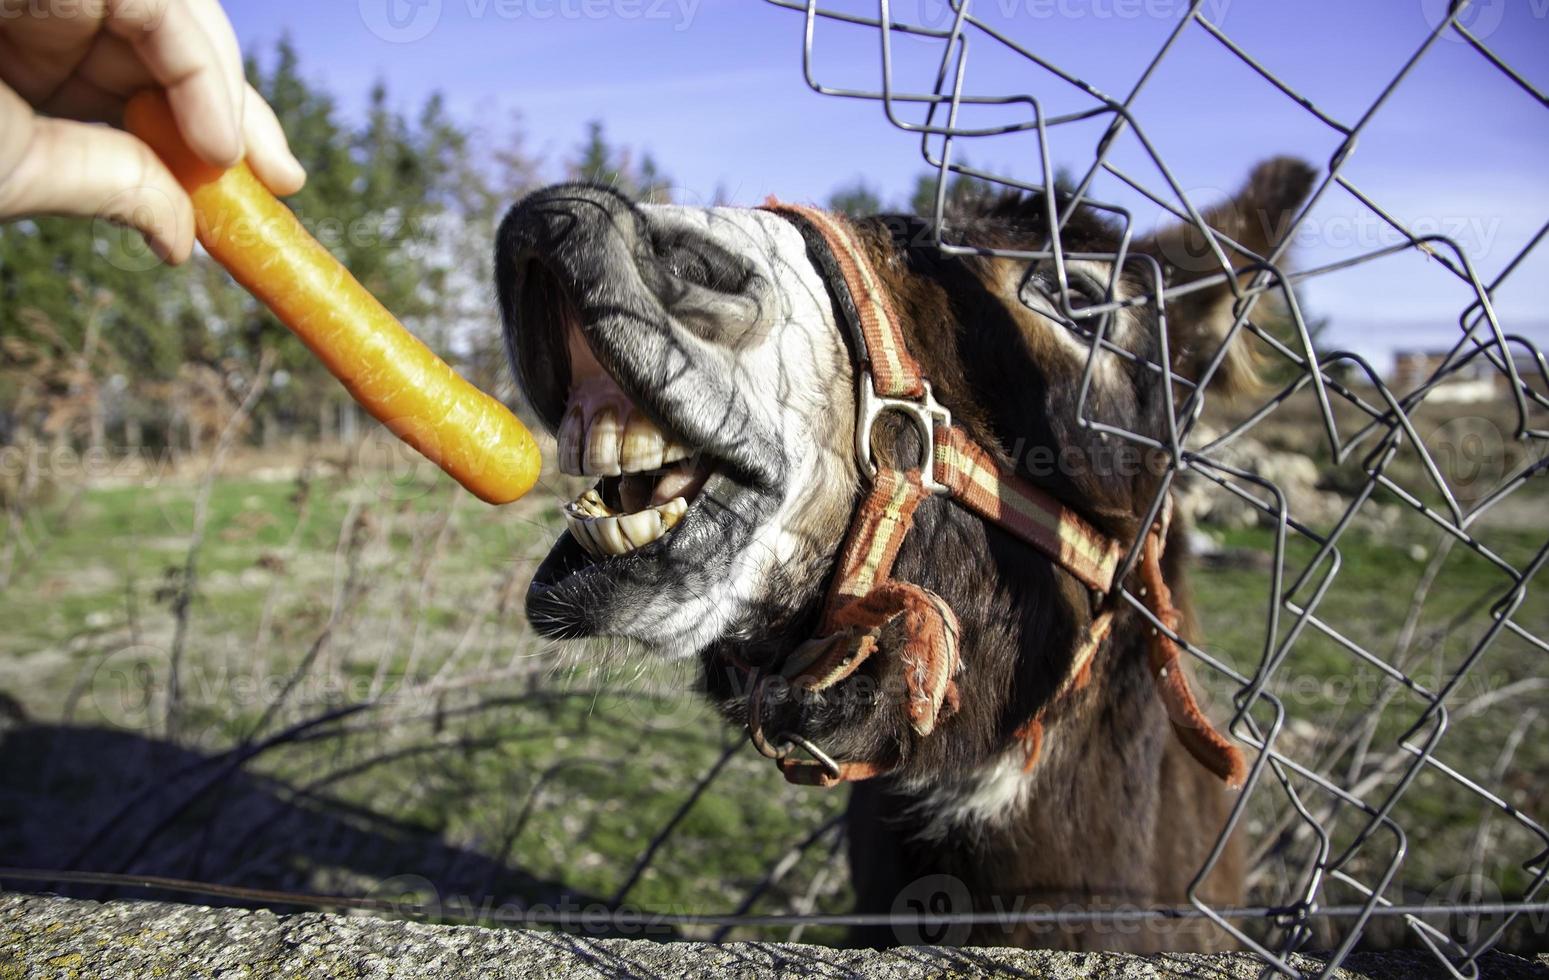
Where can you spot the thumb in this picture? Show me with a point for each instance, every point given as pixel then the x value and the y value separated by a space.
pixel 93 171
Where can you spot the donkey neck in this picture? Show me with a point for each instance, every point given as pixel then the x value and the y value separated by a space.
pixel 1099 821
pixel 1113 812
pixel 1094 773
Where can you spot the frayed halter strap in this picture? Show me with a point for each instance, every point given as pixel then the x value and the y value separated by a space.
pixel 863 598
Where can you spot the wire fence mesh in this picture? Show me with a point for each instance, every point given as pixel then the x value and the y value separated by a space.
pixel 1334 813
pixel 1377 648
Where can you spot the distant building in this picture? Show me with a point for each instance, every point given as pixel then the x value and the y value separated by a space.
pixel 1477 381
pixel 1528 370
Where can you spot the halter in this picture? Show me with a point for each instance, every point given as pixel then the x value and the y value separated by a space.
pixel 863 598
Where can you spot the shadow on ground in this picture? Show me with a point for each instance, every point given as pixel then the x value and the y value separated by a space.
pixel 103 800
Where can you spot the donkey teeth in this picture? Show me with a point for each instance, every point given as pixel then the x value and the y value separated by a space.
pixel 581 531
pixel 641 449
pixel 673 452
pixel 641 528
pixel 609 537
pixel 572 439
pixel 589 504
pixel 672 511
pixel 603 533
pixel 602 444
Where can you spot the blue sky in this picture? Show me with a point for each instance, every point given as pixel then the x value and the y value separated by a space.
pixel 714 90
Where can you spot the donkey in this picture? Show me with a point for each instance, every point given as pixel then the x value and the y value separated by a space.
pixel 702 363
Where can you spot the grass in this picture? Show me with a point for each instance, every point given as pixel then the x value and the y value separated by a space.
pixel 490 764
pixel 1346 716
pixel 483 749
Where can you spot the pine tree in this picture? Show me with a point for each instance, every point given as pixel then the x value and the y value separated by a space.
pixel 597 162
pixel 856 199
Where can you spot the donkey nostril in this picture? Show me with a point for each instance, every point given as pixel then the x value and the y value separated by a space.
pixel 687 258
pixel 690 266
pixel 682 264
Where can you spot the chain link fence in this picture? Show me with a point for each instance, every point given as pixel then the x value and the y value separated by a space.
pixel 1440 688
pixel 1368 544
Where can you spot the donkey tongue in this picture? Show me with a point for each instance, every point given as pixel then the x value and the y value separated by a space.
pixel 683 480
pixel 635 493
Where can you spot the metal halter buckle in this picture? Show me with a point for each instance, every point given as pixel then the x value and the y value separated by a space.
pixel 926 414
pixel 780 748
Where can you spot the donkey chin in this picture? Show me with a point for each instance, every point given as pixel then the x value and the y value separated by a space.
pixel 693 360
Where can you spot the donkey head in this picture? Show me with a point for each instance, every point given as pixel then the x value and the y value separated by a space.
pixel 693 360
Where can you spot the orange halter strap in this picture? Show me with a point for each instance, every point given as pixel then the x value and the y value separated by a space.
pixel 864 598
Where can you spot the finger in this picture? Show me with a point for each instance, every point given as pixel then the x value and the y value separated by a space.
pixel 82 169
pixel 16 120
pixel 79 99
pixel 37 52
pixel 188 63
pixel 110 71
pixel 223 38
pixel 268 152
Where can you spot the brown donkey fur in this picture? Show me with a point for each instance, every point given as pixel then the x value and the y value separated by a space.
pixel 1114 813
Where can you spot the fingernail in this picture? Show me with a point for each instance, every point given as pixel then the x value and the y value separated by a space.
pixel 234 130
pixel 295 174
pixel 231 143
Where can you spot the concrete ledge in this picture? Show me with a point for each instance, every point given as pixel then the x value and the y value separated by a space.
pixel 48 937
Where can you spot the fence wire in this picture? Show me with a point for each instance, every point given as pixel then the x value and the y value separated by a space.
pixel 1350 841
pixel 1333 806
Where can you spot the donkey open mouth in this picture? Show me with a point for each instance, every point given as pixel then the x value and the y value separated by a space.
pixel 638 333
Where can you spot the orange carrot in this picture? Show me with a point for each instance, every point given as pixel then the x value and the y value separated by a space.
pixel 394 376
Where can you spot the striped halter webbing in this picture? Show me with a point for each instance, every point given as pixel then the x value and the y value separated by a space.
pixel 864 598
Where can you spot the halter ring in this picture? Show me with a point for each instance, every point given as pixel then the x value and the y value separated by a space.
pixel 926 414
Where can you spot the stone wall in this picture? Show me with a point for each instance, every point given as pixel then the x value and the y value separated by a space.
pixel 69 939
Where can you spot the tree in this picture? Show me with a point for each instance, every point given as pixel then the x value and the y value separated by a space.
pixel 856 199
pixel 489 175
pixel 961 190
pixel 325 205
pixel 652 183
pixel 599 162
pixel 374 197
pixel 90 299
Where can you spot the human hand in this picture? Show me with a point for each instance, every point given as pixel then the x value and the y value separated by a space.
pixel 66 64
